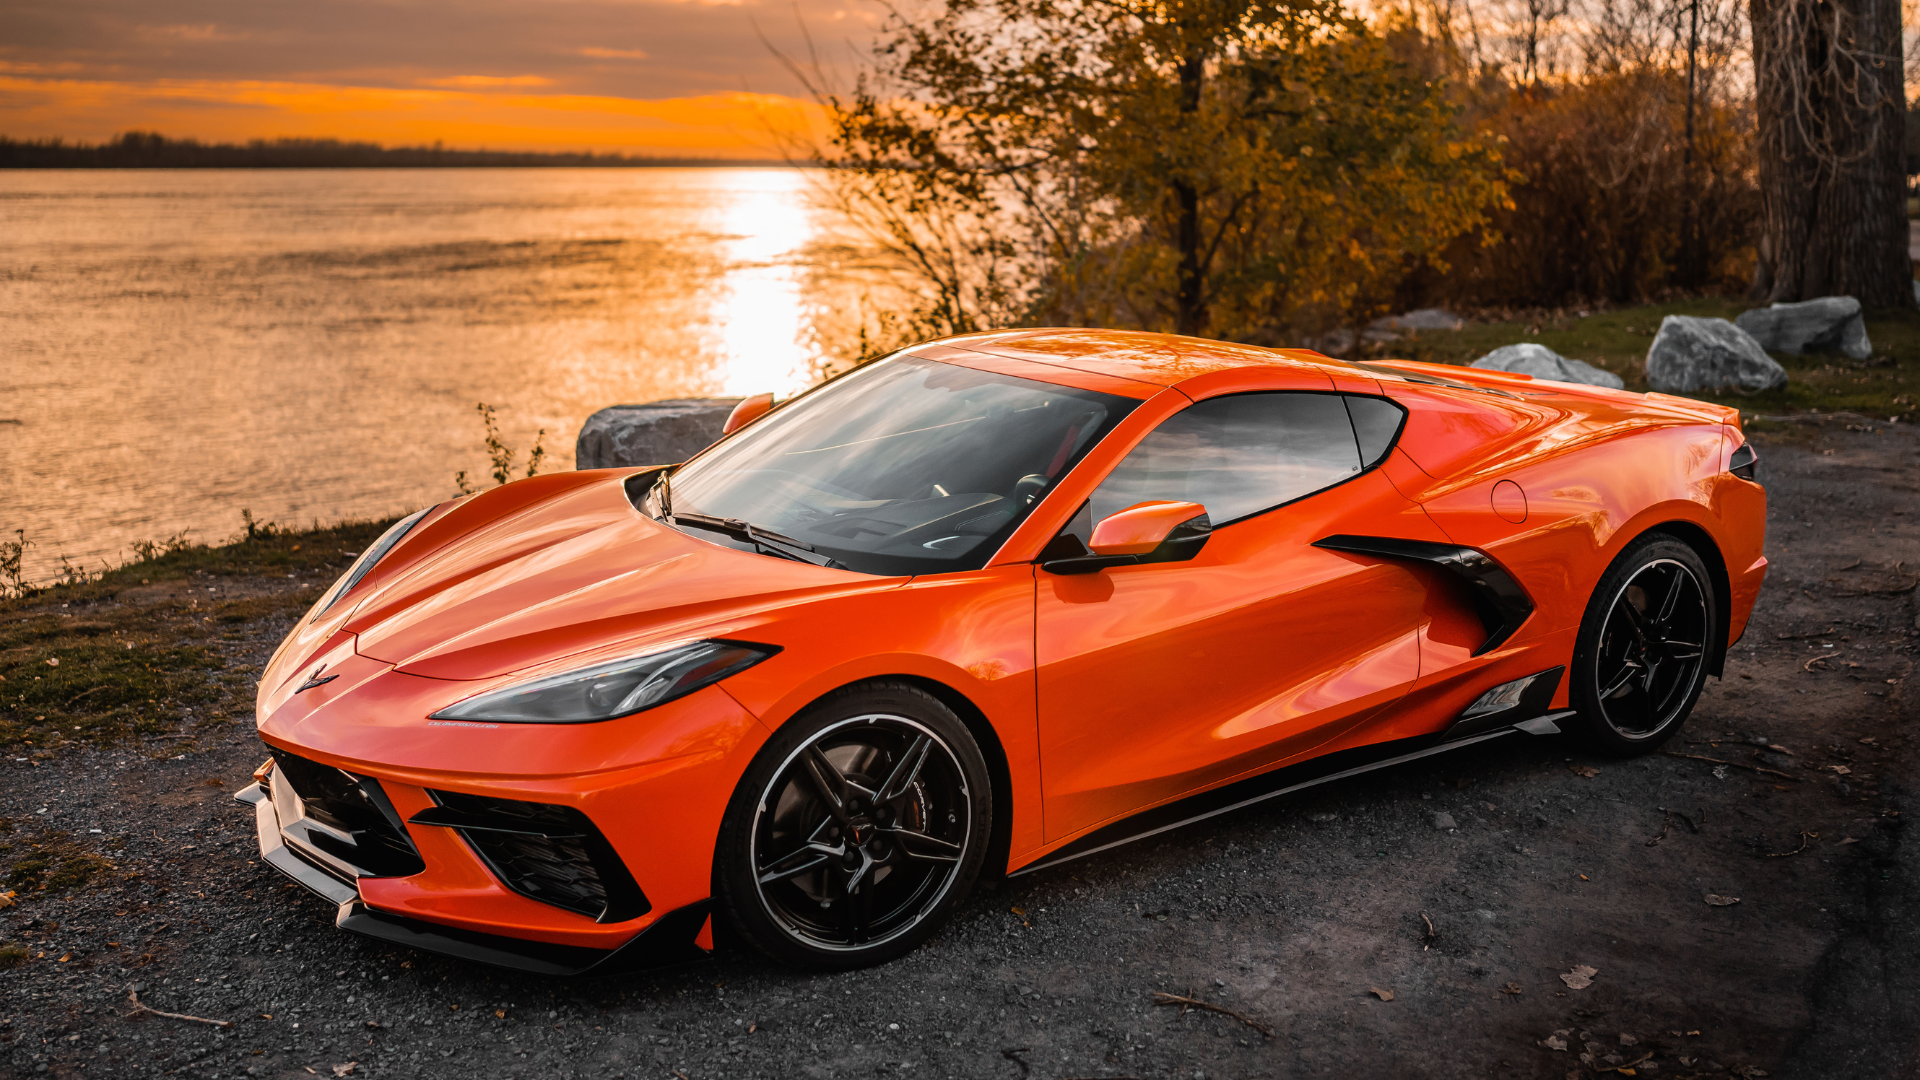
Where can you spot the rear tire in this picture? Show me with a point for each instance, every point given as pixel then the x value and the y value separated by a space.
pixel 1640 661
pixel 855 830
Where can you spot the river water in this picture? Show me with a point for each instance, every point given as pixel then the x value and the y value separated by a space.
pixel 309 345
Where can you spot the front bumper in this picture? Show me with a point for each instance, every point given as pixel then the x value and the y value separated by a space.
pixel 671 938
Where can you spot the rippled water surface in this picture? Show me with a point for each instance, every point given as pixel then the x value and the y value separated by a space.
pixel 178 345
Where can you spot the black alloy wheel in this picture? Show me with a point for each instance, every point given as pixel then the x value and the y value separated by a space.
pixel 1641 658
pixel 856 830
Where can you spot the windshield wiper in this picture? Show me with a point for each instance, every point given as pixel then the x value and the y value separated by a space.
pixel 773 542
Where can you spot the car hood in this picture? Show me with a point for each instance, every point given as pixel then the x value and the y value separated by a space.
pixel 578 571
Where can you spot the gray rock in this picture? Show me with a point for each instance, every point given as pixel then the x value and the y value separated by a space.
pixel 1421 319
pixel 1444 820
pixel 1528 358
pixel 655 433
pixel 1829 323
pixel 1691 354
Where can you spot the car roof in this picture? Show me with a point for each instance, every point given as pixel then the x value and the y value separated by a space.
pixel 1158 360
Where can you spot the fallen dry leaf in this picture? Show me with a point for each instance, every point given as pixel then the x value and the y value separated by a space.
pixel 64 957
pixel 1580 977
pixel 1383 995
pixel 53 661
pixel 500 1014
pixel 6 899
pixel 344 1070
pixel 1554 1042
pixel 1583 770
pixel 1716 900
pixel 1841 769
pixel 1849 840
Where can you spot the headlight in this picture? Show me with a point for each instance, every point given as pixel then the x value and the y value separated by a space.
pixel 367 559
pixel 617 688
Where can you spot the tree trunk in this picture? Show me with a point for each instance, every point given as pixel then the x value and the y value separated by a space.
pixel 1190 297
pixel 1831 111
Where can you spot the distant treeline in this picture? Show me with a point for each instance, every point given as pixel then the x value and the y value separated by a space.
pixel 151 150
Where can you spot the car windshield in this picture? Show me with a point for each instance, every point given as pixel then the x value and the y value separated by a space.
pixel 905 466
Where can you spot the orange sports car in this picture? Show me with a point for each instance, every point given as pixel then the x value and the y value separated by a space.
pixel 987 605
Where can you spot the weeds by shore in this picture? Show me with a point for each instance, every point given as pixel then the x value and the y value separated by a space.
pixel 141 648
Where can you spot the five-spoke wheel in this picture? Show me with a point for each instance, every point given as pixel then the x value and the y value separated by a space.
pixel 856 829
pixel 1641 658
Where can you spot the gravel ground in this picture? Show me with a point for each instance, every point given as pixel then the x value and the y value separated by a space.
pixel 1307 917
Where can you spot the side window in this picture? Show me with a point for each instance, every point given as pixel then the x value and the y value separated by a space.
pixel 1240 454
pixel 1376 424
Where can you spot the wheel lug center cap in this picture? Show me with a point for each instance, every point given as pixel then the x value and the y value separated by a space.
pixel 861 830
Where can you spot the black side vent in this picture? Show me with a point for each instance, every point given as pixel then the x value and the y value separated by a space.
pixel 347 817
pixel 1497 598
pixel 553 854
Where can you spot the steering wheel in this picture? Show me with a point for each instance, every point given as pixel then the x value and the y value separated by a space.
pixel 1027 489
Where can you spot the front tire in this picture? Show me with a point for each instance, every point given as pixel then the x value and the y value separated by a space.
pixel 1640 661
pixel 855 830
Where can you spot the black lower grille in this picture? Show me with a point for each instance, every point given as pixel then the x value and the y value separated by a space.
pixel 553 854
pixel 346 817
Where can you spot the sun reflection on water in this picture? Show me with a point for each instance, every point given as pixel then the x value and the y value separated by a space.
pixel 760 315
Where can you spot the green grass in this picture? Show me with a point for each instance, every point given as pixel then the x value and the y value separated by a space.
pixel 1885 386
pixel 53 865
pixel 138 650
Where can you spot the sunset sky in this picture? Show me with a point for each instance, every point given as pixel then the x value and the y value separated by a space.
pixel 652 77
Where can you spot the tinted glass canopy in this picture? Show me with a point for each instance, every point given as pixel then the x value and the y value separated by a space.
pixel 905 466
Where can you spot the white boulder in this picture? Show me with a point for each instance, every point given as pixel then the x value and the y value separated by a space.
pixel 1692 354
pixel 655 433
pixel 1529 358
pixel 1828 323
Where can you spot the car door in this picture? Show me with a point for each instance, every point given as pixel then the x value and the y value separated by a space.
pixel 1158 679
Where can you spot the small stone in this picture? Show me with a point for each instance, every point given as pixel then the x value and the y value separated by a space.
pixel 1419 319
pixel 1444 820
pixel 1628 1040
pixel 1530 358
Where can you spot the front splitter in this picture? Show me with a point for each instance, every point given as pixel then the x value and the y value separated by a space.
pixel 669 940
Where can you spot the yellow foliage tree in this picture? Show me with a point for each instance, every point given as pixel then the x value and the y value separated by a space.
pixel 1247 169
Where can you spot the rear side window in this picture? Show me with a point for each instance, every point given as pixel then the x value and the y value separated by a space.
pixel 1376 424
pixel 1241 454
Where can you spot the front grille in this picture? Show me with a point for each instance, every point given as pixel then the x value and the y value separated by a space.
pixel 553 854
pixel 344 818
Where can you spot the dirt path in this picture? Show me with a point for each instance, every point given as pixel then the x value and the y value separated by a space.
pixel 1531 861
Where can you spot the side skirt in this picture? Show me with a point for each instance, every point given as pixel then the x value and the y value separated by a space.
pixel 1254 789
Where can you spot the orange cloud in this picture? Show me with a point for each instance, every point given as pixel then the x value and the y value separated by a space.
pixel 732 125
pixel 184 32
pixel 478 81
pixel 614 54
